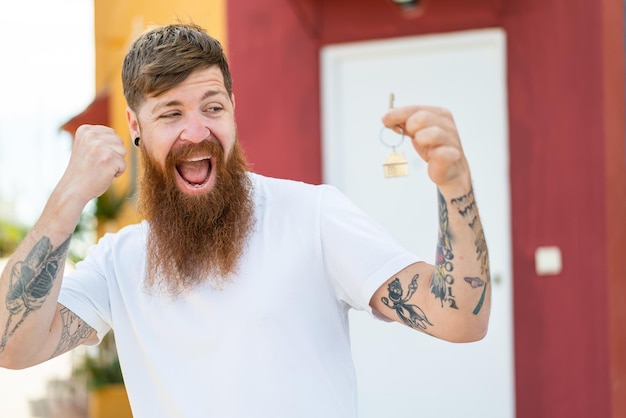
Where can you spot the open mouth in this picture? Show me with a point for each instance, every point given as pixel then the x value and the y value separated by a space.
pixel 195 172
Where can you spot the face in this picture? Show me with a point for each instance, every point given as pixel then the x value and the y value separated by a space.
pixel 193 187
pixel 196 110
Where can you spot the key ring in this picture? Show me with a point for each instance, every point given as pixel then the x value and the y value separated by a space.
pixel 381 136
pixel 395 165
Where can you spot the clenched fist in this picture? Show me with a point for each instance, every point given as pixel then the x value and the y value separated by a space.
pixel 97 158
pixel 435 138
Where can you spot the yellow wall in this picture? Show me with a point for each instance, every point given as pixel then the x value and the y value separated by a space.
pixel 117 23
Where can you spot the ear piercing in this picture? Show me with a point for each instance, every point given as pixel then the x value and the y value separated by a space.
pixel 136 141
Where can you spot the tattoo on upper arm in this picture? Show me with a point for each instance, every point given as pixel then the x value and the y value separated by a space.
pixel 409 314
pixel 31 282
pixel 442 279
pixel 466 206
pixel 74 331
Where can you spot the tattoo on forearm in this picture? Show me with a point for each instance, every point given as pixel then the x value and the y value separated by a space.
pixel 30 283
pixel 477 282
pixel 411 315
pixel 442 279
pixel 74 331
pixel 466 206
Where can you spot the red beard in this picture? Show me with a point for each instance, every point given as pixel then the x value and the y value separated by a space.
pixel 195 238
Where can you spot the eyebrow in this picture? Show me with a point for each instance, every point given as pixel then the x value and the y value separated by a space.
pixel 172 103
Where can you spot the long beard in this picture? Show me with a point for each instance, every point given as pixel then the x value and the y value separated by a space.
pixel 200 238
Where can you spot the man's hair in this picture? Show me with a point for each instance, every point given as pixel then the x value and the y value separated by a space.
pixel 163 57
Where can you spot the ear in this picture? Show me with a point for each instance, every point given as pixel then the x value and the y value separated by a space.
pixel 232 99
pixel 133 123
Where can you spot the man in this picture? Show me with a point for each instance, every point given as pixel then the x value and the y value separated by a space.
pixel 232 297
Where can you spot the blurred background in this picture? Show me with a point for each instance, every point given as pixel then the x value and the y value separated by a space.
pixel 538 93
pixel 46 77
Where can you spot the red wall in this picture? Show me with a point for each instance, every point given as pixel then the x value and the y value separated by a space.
pixel 566 154
pixel 557 175
pixel 615 197
pixel 274 64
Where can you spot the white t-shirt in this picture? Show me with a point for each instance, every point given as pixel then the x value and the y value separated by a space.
pixel 275 341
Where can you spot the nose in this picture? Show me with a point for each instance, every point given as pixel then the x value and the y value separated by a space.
pixel 196 129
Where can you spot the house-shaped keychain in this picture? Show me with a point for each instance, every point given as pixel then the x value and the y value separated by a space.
pixel 395 165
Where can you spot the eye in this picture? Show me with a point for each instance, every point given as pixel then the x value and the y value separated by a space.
pixel 170 115
pixel 213 108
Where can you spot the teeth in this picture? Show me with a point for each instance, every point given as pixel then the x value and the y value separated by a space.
pixel 198 159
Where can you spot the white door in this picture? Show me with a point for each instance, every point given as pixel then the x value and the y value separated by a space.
pixel 403 373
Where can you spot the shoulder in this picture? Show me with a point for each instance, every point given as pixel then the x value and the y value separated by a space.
pixel 260 181
pixel 126 241
pixel 289 192
pixel 128 232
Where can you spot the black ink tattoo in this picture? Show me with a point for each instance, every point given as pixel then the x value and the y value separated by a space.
pixel 466 205
pixel 411 315
pixel 31 282
pixel 442 280
pixel 73 332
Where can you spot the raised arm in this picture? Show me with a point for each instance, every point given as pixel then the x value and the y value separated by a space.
pixel 450 300
pixel 33 326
